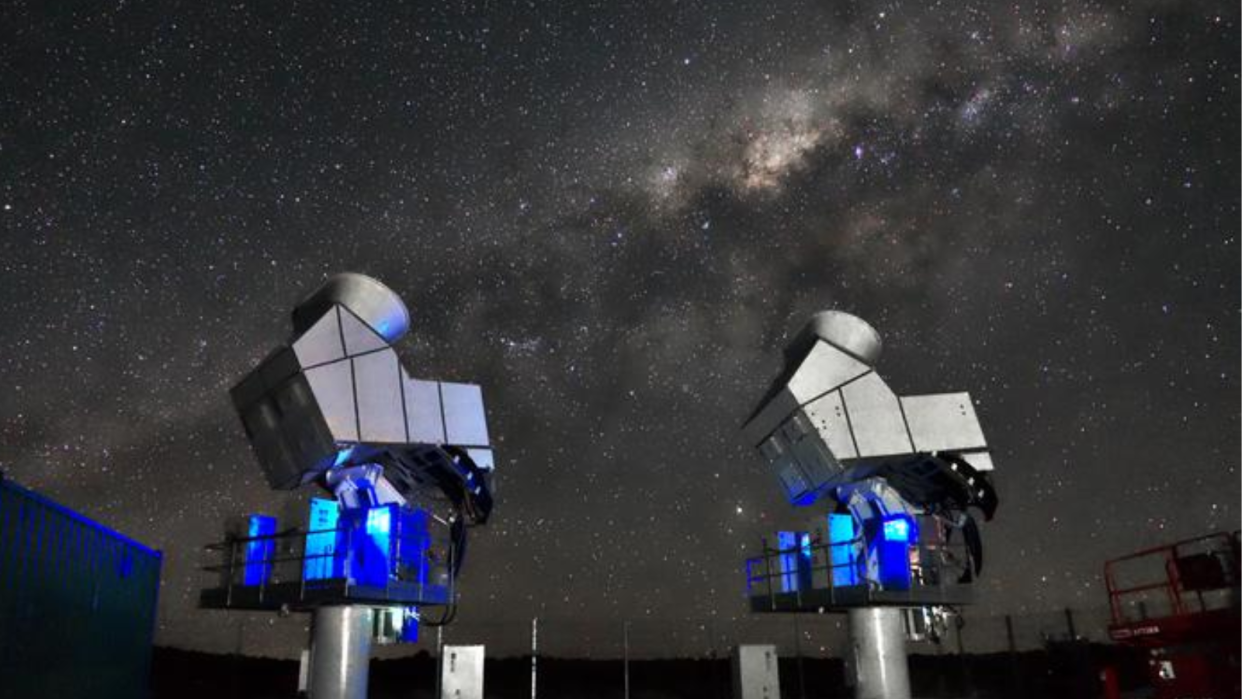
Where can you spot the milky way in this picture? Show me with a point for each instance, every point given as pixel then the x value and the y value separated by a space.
pixel 613 216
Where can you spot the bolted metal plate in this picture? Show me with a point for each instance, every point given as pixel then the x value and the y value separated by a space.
pixel 875 417
pixel 943 422
pixel 827 414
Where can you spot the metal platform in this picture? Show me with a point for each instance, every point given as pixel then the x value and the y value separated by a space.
pixel 1176 593
pixel 841 599
pixel 380 561
pixel 1180 603
pixel 303 596
pixel 773 585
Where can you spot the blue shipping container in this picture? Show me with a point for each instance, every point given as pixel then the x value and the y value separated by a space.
pixel 77 603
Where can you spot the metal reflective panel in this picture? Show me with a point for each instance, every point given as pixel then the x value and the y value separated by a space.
pixel 464 421
pixel 942 422
pixel 424 417
pixel 333 385
pixel 358 337
pixel 827 414
pixel 322 342
pixel 875 417
pixel 824 369
pixel 377 385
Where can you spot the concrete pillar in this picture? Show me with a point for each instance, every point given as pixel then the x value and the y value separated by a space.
pixel 878 653
pixel 340 652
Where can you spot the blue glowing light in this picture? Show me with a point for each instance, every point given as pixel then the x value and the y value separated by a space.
pixel 841 535
pixel 379 521
pixel 897 530
pixel 371 553
pixel 415 541
pixel 897 534
pixel 364 544
pixel 258 553
pixel 323 557
pixel 805 499
pixel 795 560
pixel 900 528
pixel 409 625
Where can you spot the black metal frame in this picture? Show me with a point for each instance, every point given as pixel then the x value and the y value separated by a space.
pixel 932 581
pixel 285 587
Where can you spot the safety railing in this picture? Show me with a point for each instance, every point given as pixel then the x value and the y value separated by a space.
pixel 933 564
pixel 281 570
pixel 1172 580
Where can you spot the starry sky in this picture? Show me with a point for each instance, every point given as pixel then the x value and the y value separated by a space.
pixel 613 216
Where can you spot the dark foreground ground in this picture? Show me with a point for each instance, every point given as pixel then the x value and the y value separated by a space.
pixel 1060 672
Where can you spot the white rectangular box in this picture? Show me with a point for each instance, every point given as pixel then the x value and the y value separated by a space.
pixel 756 673
pixel 461 672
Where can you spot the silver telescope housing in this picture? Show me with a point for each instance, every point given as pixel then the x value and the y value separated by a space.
pixel 829 420
pixel 336 397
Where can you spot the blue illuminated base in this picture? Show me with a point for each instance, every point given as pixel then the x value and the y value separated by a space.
pixel 831 600
pixel 307 595
pixel 377 555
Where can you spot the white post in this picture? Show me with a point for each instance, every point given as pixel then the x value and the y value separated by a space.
pixel 304 673
pixel 878 652
pixel 534 655
pixel 340 652
pixel 439 661
pixel 626 644
pixel 462 672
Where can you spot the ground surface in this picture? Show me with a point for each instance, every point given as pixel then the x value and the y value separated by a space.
pixel 1066 672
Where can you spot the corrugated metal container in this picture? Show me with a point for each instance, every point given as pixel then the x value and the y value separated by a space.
pixel 77 603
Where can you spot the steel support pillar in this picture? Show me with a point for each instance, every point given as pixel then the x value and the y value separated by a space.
pixel 878 653
pixel 340 652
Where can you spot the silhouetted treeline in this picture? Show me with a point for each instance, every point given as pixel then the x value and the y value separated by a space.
pixel 1064 671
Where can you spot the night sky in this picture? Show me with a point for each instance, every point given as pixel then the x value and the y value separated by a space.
pixel 613 216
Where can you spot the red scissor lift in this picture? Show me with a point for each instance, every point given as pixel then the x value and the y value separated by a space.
pixel 1180 603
